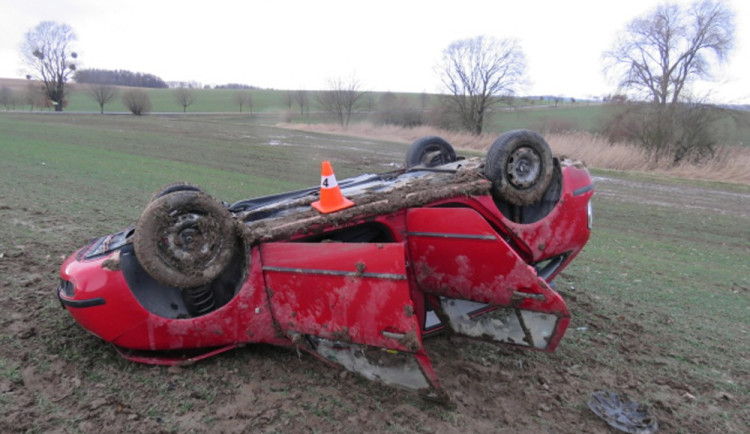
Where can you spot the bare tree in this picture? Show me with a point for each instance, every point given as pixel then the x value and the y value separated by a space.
pixel 657 57
pixel 101 93
pixel 184 96
pixel 661 52
pixel 289 99
pixel 243 98
pixel 7 97
pixel 477 72
pixel 35 96
pixel 303 101
pixel 137 101
pixel 342 98
pixel 47 52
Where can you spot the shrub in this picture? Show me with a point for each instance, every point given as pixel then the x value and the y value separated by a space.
pixel 441 117
pixel 687 131
pixel 137 101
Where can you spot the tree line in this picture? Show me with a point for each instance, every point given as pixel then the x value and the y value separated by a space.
pixel 119 77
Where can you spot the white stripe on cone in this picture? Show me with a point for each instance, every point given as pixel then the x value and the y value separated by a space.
pixel 328 181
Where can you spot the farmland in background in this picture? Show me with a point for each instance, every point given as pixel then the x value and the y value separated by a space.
pixel 660 297
pixel 533 113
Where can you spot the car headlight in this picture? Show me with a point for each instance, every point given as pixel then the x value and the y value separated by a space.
pixel 590 215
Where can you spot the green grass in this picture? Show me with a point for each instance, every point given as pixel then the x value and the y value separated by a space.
pixel 661 292
pixel 579 116
pixel 206 100
pixel 235 159
pixel 671 266
pixel 678 279
pixel 263 101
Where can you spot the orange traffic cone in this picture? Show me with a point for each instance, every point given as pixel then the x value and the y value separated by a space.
pixel 331 199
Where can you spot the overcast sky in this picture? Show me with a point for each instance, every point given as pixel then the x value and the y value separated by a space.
pixel 388 45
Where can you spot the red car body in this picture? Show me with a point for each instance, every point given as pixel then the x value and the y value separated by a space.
pixel 454 259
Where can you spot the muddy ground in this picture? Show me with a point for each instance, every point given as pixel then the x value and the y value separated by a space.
pixel 55 377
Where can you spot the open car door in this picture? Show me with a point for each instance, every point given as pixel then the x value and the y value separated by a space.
pixel 481 287
pixel 349 303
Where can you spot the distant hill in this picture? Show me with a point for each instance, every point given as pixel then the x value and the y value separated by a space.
pixel 742 107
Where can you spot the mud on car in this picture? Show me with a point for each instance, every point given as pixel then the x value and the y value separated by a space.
pixel 446 244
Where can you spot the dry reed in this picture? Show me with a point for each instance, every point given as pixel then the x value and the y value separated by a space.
pixel 730 163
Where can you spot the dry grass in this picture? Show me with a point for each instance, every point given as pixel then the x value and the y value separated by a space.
pixel 730 164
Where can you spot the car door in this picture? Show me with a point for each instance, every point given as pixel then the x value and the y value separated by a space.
pixel 483 287
pixel 350 304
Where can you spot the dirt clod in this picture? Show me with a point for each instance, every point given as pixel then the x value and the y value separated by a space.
pixel 112 263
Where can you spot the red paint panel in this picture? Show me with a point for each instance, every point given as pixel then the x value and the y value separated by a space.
pixel 158 333
pixel 349 292
pixel 123 321
pixel 119 314
pixel 245 319
pixel 255 322
pixel 565 228
pixel 457 254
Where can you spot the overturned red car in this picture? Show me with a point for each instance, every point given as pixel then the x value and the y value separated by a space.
pixel 466 246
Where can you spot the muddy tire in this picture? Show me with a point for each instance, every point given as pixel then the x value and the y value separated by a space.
pixel 185 239
pixel 520 166
pixel 430 151
pixel 172 188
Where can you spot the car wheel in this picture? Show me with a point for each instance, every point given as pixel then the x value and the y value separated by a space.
pixel 185 239
pixel 174 187
pixel 430 152
pixel 520 166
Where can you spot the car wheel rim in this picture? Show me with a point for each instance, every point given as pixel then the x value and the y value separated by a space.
pixel 524 167
pixel 191 239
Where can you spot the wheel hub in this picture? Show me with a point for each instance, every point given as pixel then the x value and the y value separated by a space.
pixel 190 239
pixel 524 167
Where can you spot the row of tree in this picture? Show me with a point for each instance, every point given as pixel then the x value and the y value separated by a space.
pixel 31 96
pixel 118 77
pixel 382 108
pixel 655 60
pixel 135 99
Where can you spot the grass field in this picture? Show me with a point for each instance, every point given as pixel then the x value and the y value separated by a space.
pixel 215 100
pixel 660 297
